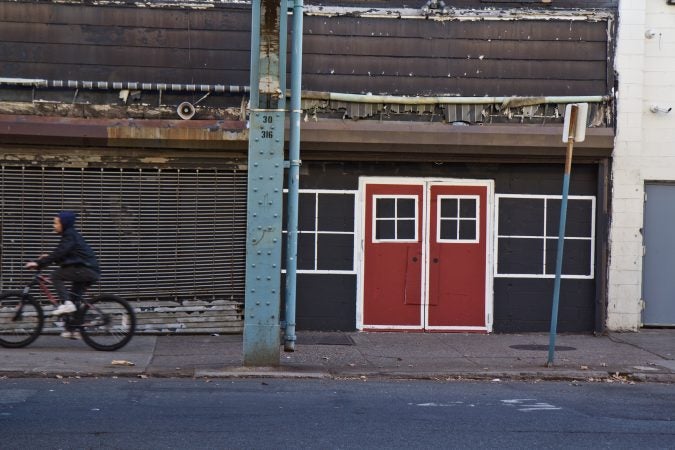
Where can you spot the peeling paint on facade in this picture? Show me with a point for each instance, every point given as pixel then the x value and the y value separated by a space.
pixel 457 14
pixel 176 134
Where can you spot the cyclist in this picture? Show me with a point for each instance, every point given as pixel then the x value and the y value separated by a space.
pixel 78 265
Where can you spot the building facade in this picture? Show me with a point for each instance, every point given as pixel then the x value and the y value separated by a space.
pixel 640 286
pixel 431 147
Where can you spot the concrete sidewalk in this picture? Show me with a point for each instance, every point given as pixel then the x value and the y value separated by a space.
pixel 645 356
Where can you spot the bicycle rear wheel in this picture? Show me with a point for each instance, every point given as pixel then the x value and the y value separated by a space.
pixel 108 323
pixel 21 320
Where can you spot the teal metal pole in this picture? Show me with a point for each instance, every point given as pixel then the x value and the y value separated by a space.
pixel 558 270
pixel 561 236
pixel 262 301
pixel 293 177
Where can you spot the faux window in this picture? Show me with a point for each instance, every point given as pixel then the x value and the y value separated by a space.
pixel 527 236
pixel 325 231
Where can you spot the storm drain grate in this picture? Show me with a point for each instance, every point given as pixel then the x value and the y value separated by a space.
pixel 537 347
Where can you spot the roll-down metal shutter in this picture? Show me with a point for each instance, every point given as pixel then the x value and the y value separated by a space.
pixel 170 241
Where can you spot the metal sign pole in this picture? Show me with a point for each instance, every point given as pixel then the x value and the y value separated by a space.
pixel 561 231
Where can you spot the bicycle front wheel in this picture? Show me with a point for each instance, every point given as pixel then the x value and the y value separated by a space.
pixel 108 323
pixel 21 319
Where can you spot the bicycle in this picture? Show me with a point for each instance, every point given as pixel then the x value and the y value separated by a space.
pixel 106 322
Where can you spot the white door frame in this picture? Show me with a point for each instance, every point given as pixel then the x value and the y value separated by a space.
pixel 361 233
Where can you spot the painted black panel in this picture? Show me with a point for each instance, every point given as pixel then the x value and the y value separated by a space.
pixel 520 256
pixel 576 256
pixel 306 212
pixel 521 217
pixel 326 302
pixel 578 222
pixel 336 212
pixel 335 252
pixel 305 251
pixel 524 305
pixel 509 178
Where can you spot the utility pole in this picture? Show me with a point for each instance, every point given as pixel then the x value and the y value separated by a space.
pixel 265 188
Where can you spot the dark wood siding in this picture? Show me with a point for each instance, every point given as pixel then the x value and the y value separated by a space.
pixel 341 54
pixel 418 57
pixel 125 43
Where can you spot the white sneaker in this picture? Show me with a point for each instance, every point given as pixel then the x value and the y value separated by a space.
pixel 71 335
pixel 66 308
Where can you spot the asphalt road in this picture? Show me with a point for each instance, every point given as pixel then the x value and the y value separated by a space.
pixel 276 413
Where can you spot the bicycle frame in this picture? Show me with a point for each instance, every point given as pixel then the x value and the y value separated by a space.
pixel 44 281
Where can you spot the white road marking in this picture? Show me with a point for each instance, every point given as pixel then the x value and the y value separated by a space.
pixel 437 404
pixel 530 404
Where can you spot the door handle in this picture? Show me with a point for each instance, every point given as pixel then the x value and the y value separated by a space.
pixel 414 258
pixel 435 260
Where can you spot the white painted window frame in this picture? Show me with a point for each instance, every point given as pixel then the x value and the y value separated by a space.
pixel 316 232
pixel 544 237
pixel 395 218
pixel 459 218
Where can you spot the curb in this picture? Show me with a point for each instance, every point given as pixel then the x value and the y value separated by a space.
pixel 295 373
pixel 261 373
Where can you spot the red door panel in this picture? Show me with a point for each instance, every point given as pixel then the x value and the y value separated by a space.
pixel 393 263
pixel 457 256
pixel 425 256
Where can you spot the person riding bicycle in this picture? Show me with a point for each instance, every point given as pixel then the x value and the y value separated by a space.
pixel 78 264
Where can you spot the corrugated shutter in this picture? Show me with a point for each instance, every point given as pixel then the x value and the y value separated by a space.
pixel 173 241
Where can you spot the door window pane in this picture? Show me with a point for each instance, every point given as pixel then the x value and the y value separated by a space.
pixel 458 218
pixel 395 218
pixel 405 229
pixel 405 207
pixel 448 229
pixel 385 230
pixel 467 230
pixel 385 207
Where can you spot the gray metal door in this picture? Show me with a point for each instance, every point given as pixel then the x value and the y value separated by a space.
pixel 658 286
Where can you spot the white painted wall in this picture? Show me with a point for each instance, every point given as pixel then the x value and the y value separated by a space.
pixel 644 147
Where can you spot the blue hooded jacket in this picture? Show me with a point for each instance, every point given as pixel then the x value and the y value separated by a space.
pixel 72 250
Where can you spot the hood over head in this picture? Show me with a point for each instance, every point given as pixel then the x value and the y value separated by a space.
pixel 67 219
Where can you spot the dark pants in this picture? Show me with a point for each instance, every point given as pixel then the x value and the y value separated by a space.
pixel 81 278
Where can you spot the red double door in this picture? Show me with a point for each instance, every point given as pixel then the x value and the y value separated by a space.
pixel 425 256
